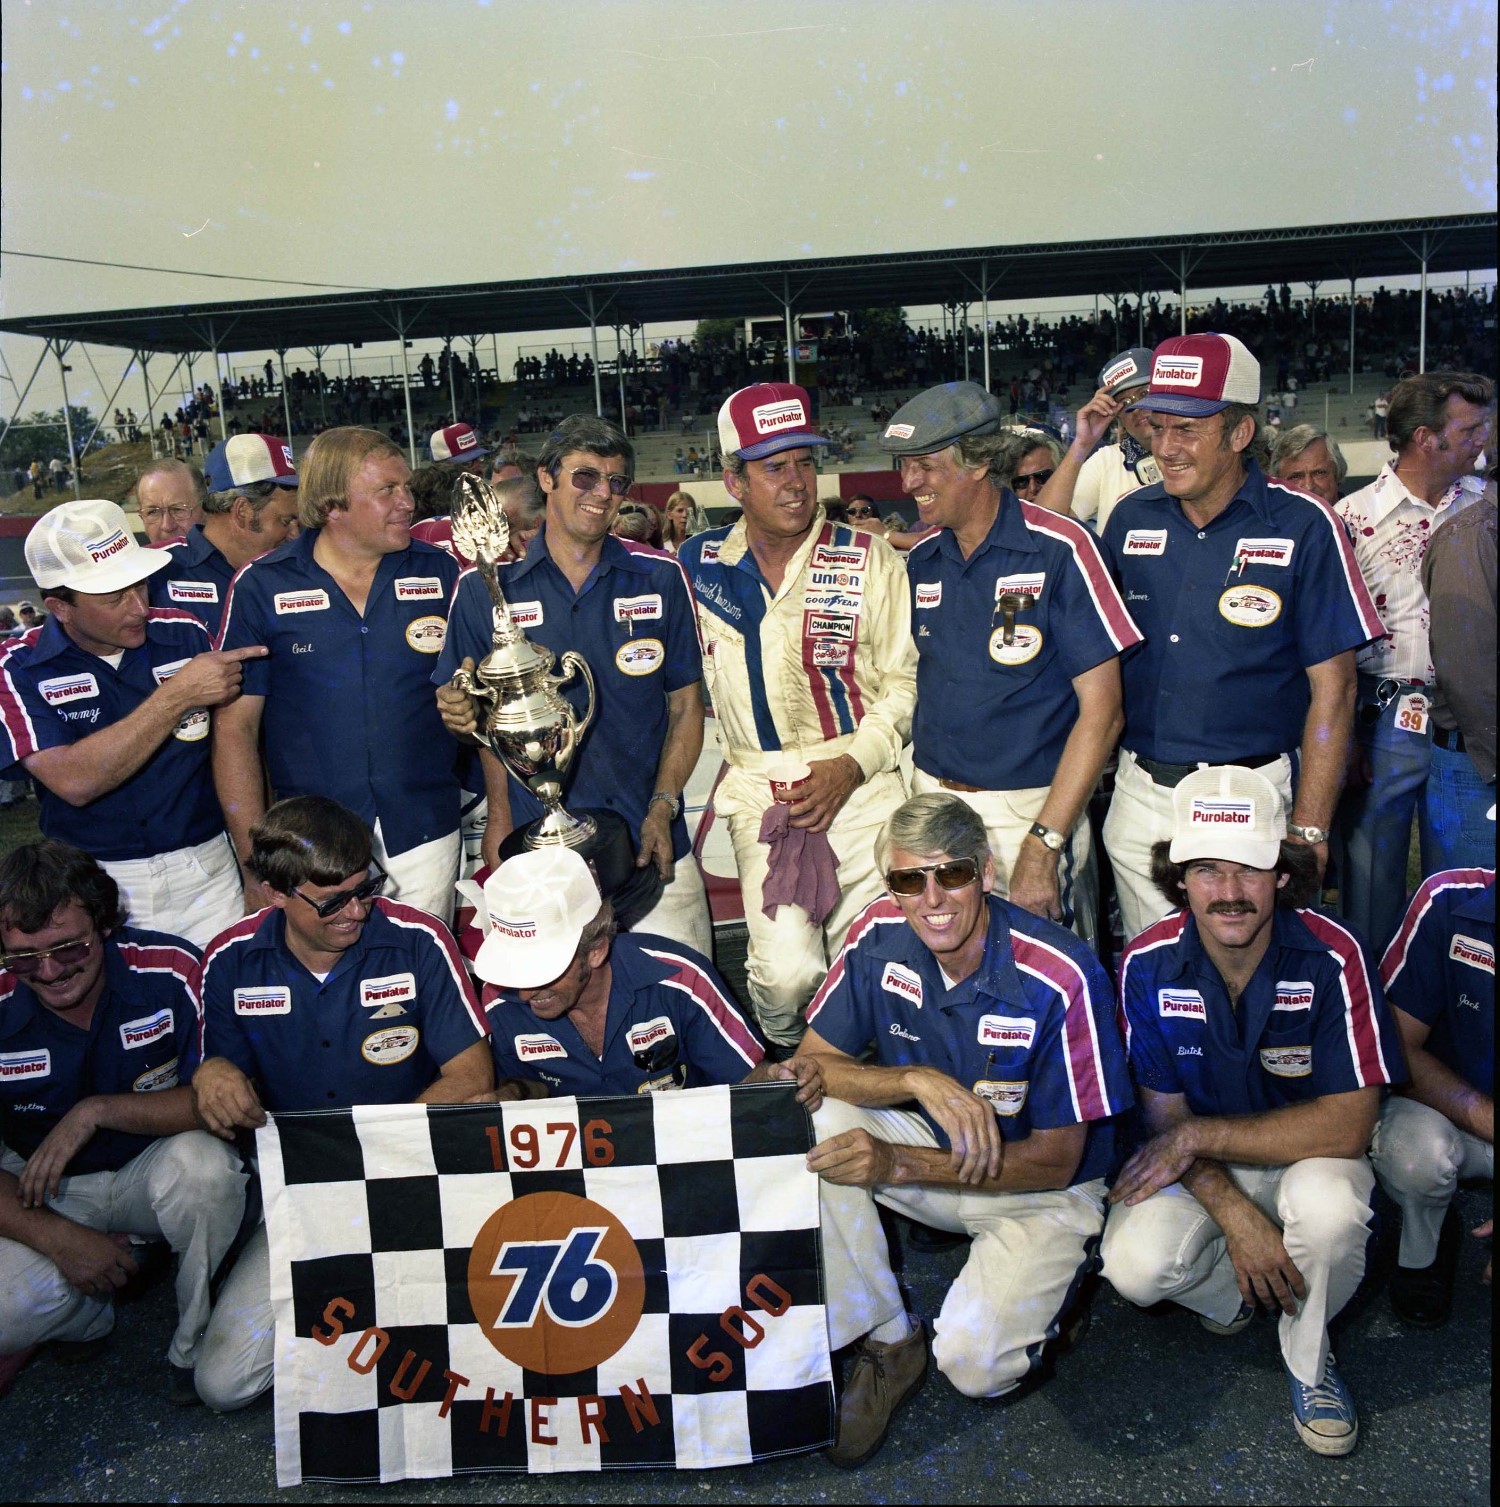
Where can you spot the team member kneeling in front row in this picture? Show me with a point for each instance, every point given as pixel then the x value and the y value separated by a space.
pixel 327 998
pixel 986 1108
pixel 1259 1042
pixel 97 1020
pixel 575 1009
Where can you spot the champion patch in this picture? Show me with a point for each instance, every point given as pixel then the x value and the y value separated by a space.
pixel 1181 1004
pixel 427 634
pixel 829 625
pixel 192 591
pixel 14 1066
pixel 65 688
pixel 389 1045
pixel 903 982
pixel 273 999
pixel 539 1047
pixel 1287 1062
pixel 1264 552
pixel 1005 1098
pixel 1007 1031
pixel 299 601
pixel 638 609
pixel 419 589
pixel 149 1028
pixel 1250 606
pixel 1146 541
pixel 641 656
pixel 646 1035
pixel 389 996
pixel 929 594
pixel 1472 951
pixel 1029 584
pixel 1222 813
pixel 1293 994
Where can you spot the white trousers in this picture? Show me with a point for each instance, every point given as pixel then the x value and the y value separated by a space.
pixel 1029 1252
pixel 1140 815
pixel 423 876
pixel 681 914
pixel 788 955
pixel 236 1360
pixel 1170 1247
pixel 192 893
pixel 188 1190
pixel 1419 1155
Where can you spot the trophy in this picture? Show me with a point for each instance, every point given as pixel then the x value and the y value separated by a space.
pixel 530 727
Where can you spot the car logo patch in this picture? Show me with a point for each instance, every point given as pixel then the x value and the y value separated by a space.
pixel 1005 1098
pixel 1250 606
pixel 427 634
pixel 1025 644
pixel 389 1045
pixel 1287 1062
pixel 154 1079
pixel 640 656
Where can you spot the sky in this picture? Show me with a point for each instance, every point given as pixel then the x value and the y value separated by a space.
pixel 280 146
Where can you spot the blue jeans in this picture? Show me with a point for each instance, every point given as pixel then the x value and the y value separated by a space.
pixel 1463 836
pixel 1374 824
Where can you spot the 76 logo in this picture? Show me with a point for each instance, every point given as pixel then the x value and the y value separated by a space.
pixel 563 1277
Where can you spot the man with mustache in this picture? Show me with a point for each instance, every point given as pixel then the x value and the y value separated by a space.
pixel 1259 1040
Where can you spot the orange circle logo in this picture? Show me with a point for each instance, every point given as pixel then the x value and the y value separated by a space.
pixel 555 1282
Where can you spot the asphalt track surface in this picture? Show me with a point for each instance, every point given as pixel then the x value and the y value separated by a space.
pixel 1147 1408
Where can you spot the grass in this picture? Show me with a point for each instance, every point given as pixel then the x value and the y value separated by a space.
pixel 18 824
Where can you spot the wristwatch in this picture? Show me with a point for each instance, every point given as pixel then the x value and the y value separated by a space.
pixel 1313 835
pixel 673 803
pixel 1057 841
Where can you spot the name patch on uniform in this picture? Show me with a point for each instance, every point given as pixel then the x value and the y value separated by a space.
pixel 1029 584
pixel 419 589
pixel 300 601
pixel 390 1045
pixel 1287 1062
pixel 65 688
pixel 149 1028
pixel 1181 1004
pixel 155 1079
pixel 273 999
pixel 1216 811
pixel 1006 1031
pixel 388 996
pixel 192 591
pixel 1264 551
pixel 17 1065
pixel 1146 541
pixel 637 609
pixel 902 981
pixel 539 1047
pixel 1472 951
pixel 641 1037
pixel 1025 644
pixel 526 614
pixel 427 634
pixel 929 593
pixel 640 656
pixel 1250 606
pixel 1004 1098
pixel 851 555
pixel 1293 994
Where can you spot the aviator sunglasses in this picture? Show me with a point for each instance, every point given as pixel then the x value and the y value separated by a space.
pixel 1033 479
pixel 26 965
pixel 587 479
pixel 955 874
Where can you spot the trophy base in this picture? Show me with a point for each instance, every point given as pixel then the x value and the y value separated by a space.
pixel 559 829
pixel 610 852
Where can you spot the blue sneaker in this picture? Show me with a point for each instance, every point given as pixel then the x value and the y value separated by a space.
pixel 1325 1414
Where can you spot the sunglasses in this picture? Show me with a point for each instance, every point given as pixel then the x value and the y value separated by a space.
pixel 955 874
pixel 1033 479
pixel 861 512
pixel 657 1057
pixel 587 479
pixel 366 889
pixel 27 965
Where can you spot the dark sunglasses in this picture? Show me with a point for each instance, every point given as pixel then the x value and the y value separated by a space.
pixel 659 1056
pixel 861 512
pixel 1033 479
pixel 27 965
pixel 587 479
pixel 366 889
pixel 955 874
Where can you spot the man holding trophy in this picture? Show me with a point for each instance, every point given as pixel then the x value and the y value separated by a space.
pixel 623 725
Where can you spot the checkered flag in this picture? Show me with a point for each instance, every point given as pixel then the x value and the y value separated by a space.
pixel 558 1284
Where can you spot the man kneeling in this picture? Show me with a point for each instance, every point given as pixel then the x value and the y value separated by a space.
pixel 1259 1042
pixel 996 1027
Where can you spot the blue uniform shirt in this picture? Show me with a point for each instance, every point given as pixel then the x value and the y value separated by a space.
pixel 670 1024
pixel 1234 615
pixel 53 693
pixel 1032 1031
pixel 349 709
pixel 197 580
pixel 397 1006
pixel 143 1037
pixel 634 622
pixel 1312 1021
pixel 1440 969
pixel 970 682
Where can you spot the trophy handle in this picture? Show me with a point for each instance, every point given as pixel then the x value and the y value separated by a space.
pixel 573 662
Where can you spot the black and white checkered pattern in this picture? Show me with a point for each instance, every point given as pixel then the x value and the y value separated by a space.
pixel 381 1205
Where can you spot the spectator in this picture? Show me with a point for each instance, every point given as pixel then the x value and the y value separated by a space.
pixel 1309 459
pixel 169 498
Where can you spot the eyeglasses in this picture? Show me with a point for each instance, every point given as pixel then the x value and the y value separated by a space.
pixel 955 874
pixel 27 965
pixel 154 513
pixel 587 479
pixel 366 889
pixel 861 512
pixel 1033 479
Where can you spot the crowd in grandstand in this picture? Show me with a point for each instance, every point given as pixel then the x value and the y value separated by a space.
pixel 1072 824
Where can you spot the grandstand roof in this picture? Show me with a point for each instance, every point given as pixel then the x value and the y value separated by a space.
pixel 1328 253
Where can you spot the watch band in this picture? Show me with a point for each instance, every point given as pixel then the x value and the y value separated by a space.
pixel 673 803
pixel 1055 840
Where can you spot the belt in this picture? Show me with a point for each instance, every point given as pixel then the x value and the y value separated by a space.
pixel 1172 775
pixel 959 785
pixel 1448 738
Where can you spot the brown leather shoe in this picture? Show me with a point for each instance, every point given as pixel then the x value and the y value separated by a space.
pixel 881 1378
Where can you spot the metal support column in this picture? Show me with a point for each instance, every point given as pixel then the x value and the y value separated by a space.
pixel 1313 284
pixel 213 346
pixel 620 374
pixel 1182 292
pixel 16 413
pixel 286 398
pixel 984 314
pixel 411 428
pixel 75 461
pixel 594 349
pixel 786 304
pixel 1351 334
pixel 150 418
pixel 452 382
pixel 317 351
pixel 1422 327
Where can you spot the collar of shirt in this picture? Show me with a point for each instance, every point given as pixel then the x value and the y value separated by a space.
pixel 996 977
pixel 54 641
pixel 1478 905
pixel 612 556
pixel 270 936
pixel 121 984
pixel 1388 493
pixel 736 550
pixel 195 548
pixel 1008 531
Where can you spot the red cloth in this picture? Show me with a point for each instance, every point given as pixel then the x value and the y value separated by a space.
pixel 802 868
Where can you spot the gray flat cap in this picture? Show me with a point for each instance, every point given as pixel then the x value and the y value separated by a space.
pixel 934 419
